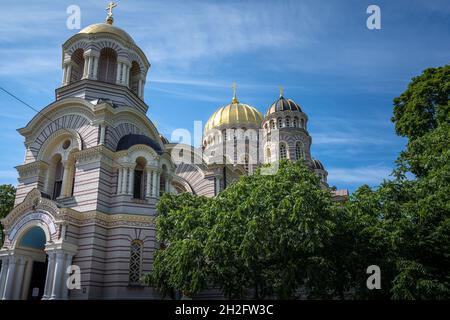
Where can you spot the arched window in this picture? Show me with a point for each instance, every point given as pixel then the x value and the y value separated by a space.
pixel 288 121
pixel 283 151
pixel 272 123
pixel 299 151
pixel 280 123
pixel 134 77
pixel 139 181
pixel 77 59
pixel 107 65
pixel 302 121
pixel 295 122
pixel 135 262
pixel 57 176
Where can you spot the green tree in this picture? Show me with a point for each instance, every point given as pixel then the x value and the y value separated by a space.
pixel 179 265
pixel 268 234
pixel 424 105
pixel 413 209
pixel 7 197
pixel 263 236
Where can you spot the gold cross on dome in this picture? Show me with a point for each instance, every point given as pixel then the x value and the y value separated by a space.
pixel 110 7
pixel 234 86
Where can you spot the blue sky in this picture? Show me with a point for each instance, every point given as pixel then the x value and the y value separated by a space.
pixel 344 75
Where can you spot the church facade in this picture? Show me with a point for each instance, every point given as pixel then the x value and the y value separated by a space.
pixel 95 166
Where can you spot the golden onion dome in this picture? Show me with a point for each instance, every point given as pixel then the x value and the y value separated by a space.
pixel 107 28
pixel 234 114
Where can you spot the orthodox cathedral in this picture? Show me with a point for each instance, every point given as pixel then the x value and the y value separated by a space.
pixel 95 166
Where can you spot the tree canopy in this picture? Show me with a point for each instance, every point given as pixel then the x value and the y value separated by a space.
pixel 282 235
pixel 7 197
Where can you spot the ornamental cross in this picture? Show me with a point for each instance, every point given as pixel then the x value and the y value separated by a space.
pixel 234 86
pixel 110 7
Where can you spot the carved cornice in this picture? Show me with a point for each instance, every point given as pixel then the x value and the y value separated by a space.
pixel 31 169
pixel 106 220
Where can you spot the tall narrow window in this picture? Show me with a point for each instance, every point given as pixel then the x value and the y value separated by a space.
pixel 58 180
pixel 302 121
pixel 283 151
pixel 299 151
pixel 107 66
pixel 134 77
pixel 288 121
pixel 272 123
pixel 280 122
pixel 135 262
pixel 295 122
pixel 139 181
pixel 77 59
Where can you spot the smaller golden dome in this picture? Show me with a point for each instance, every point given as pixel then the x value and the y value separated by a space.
pixel 107 28
pixel 234 114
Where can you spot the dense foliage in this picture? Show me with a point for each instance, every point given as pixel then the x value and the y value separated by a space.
pixel 267 236
pixel 7 196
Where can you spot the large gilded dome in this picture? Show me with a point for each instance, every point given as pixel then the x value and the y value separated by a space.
pixel 234 114
pixel 107 28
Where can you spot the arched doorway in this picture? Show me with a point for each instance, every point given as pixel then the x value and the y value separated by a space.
pixel 31 246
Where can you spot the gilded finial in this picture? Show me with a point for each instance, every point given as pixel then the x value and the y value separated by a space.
pixel 109 8
pixel 281 91
pixel 235 100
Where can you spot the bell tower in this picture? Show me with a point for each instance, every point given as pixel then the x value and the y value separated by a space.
pixel 102 61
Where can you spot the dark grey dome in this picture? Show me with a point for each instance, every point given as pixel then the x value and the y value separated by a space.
pixel 132 139
pixel 283 104
pixel 317 164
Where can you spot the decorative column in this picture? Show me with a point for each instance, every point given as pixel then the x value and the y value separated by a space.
pixel 19 278
pixel 3 273
pixel 85 67
pixel 95 69
pixel 65 289
pixel 119 180
pixel 90 64
pixel 9 283
pixel 127 76
pixel 119 72
pixel 154 184
pixel 58 276
pixel 27 278
pixel 131 184
pixel 167 184
pixel 102 133
pixel 217 186
pixel 65 181
pixel 50 276
pixel 148 190
pixel 124 180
